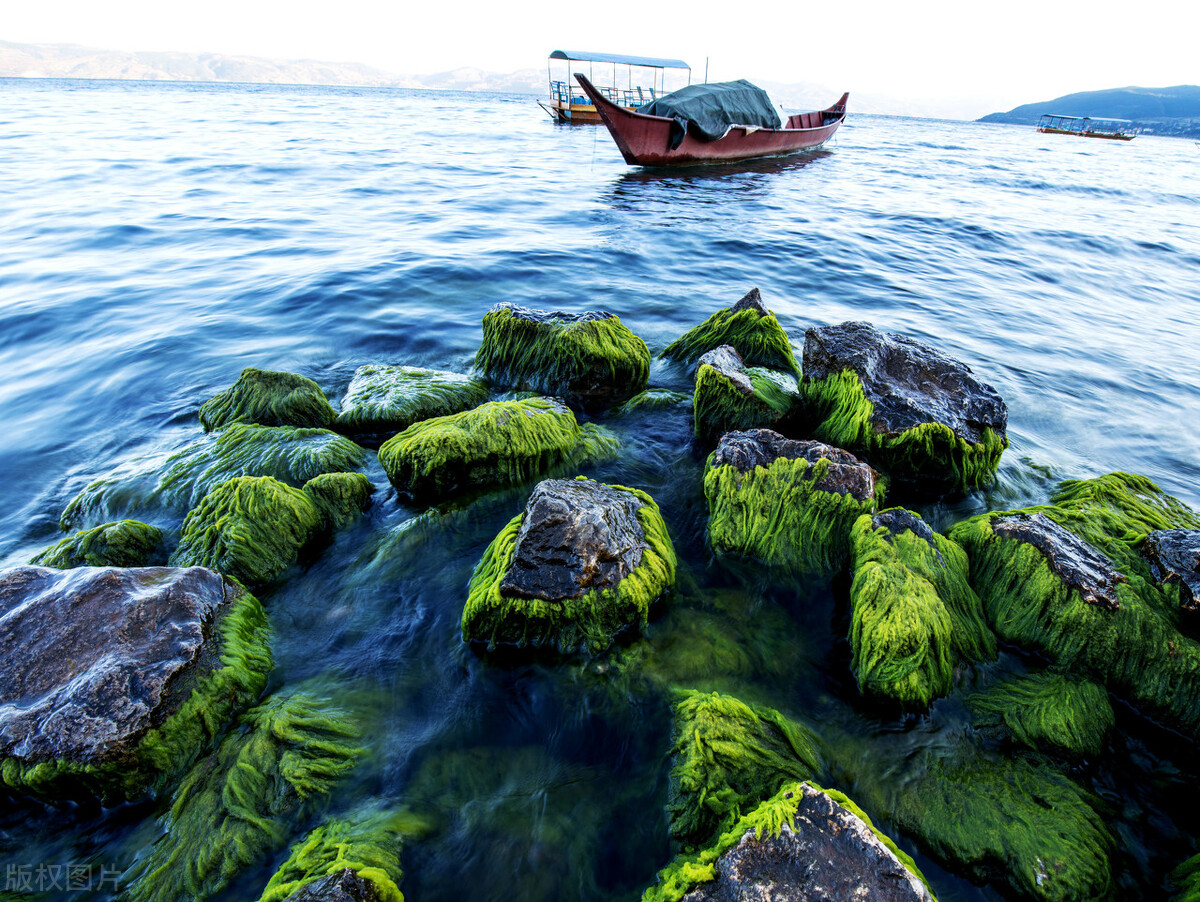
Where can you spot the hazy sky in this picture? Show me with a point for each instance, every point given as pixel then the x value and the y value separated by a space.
pixel 993 55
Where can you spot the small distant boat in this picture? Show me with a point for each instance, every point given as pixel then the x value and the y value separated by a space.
pixel 1088 127
pixel 651 140
pixel 615 75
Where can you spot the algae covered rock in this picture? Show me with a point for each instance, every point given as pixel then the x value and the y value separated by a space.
pixel 787 503
pixel 1174 557
pixel 268 398
pixel 588 359
pixel 340 497
pixel 728 757
pixel 914 412
pixel 1048 712
pixel 804 843
pixel 583 562
pixel 383 400
pixel 729 396
pixel 113 680
pixel 914 617
pixel 652 399
pixel 126 543
pixel 496 444
pixel 341 886
pixel 749 327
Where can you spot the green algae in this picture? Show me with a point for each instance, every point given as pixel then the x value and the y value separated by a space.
pixel 930 452
pixel 496 444
pixel 268 398
pixel 591 362
pixel 238 805
pixel 383 400
pixel 1186 876
pixel 212 702
pixel 649 400
pixel 1047 712
pixel 760 340
pixel 720 406
pixel 728 757
pixel 592 620
pixel 768 818
pixel 779 515
pixel 368 843
pixel 125 543
pixel 340 497
pixel 914 616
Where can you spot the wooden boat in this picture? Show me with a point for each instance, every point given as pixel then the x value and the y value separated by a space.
pixel 1088 127
pixel 627 81
pixel 647 140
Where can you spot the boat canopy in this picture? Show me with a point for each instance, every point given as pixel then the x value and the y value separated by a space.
pixel 649 62
pixel 707 111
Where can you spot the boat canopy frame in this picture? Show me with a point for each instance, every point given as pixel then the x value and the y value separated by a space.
pixel 567 102
pixel 649 62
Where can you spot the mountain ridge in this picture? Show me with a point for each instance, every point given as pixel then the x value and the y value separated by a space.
pixel 1173 111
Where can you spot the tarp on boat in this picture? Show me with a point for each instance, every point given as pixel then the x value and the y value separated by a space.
pixel 707 111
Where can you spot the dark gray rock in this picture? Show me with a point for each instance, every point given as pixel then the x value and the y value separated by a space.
pixel 1073 560
pixel 552 316
pixel 341 886
pixel 831 856
pixel 745 450
pixel 1174 555
pixel 728 362
pixel 577 536
pixel 92 658
pixel 907 382
pixel 751 300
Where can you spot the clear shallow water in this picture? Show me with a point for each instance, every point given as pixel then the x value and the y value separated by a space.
pixel 158 238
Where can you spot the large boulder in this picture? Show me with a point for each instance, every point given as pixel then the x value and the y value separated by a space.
pixel 785 502
pixel 1174 556
pixel 126 543
pixel 912 411
pixel 913 615
pixel 583 562
pixel 383 400
pixel 496 444
pixel 749 327
pixel 730 396
pixel 268 398
pixel 590 360
pixel 112 681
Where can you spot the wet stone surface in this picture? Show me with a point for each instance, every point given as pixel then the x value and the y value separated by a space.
pixel 341 886
pixel 831 856
pixel 728 362
pixel 907 382
pixel 751 300
pixel 89 657
pixel 1073 560
pixel 551 316
pixel 577 536
pixel 745 450
pixel 1174 555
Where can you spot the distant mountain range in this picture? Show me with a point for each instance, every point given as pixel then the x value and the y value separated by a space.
pixel 1159 111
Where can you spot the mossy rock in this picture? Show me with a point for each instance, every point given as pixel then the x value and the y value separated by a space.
pixel 496 444
pixel 383 400
pixel 589 360
pixel 368 844
pixel 913 615
pixel 586 606
pixel 1047 712
pixel 652 399
pixel 789 504
pixel 1088 601
pixel 268 398
pixel 730 397
pixel 340 497
pixel 239 805
pixel 749 327
pixel 870 863
pixel 195 645
pixel 728 757
pixel 125 543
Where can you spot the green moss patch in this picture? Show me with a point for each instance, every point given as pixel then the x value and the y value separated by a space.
pixel 268 398
pixel 722 405
pixel 340 497
pixel 1047 712
pixel 914 616
pixel 384 400
pixel 126 543
pixel 751 329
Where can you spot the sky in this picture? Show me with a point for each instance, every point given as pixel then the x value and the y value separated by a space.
pixel 958 55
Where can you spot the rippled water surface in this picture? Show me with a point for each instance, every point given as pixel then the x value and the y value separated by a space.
pixel 159 238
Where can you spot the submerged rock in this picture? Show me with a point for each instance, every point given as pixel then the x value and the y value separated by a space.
pixel 652 399
pixel 341 886
pixel 728 396
pixel 749 327
pixel 112 681
pixel 583 561
pixel 916 413
pixel 126 543
pixel 268 398
pixel 1174 556
pixel 384 400
pixel 496 444
pixel 914 617
pixel 1048 712
pixel 786 502
pixel 588 359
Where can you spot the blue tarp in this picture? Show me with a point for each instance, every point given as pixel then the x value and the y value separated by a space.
pixel 707 111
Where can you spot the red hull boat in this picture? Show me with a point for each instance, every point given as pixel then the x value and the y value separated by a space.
pixel 646 140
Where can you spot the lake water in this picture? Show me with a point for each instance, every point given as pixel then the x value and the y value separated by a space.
pixel 156 239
